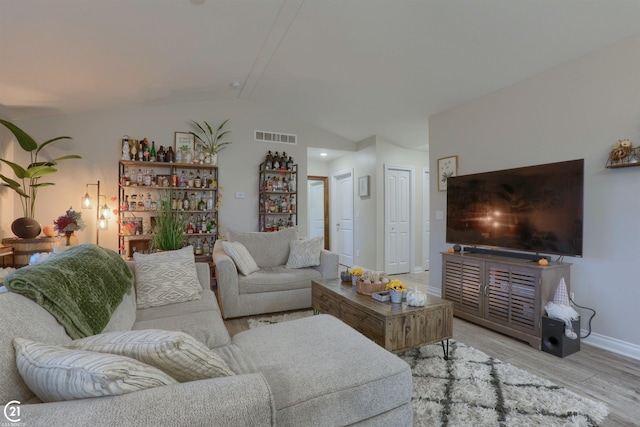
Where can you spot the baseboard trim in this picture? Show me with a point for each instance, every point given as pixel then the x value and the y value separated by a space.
pixel 613 345
pixel 417 270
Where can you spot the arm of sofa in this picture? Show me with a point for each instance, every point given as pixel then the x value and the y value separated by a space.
pixel 242 400
pixel 226 281
pixel 328 264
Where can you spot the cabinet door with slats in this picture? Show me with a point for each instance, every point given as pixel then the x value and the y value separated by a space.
pixel 462 283
pixel 510 296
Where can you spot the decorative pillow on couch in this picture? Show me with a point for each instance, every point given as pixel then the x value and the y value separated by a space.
pixel 304 253
pixel 241 257
pixel 166 277
pixel 175 353
pixel 55 373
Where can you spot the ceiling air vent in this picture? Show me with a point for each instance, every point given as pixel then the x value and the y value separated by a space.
pixel 282 138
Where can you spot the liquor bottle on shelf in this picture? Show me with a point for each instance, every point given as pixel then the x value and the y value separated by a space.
pixel 152 152
pixel 290 164
pixel 197 182
pixel 170 156
pixel 161 155
pixel 202 205
pixel 210 201
pixel 185 202
pixel 141 151
pixel 147 202
pixel 269 161
pixel 133 204
pixel 276 161
pixel 198 247
pixel 125 204
pixel 193 204
pixel 191 180
pixel 147 178
pixel 139 178
pixel 174 202
pixel 183 179
pixel 141 202
pixel 205 247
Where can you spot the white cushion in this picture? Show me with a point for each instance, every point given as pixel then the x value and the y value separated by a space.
pixel 241 257
pixel 166 277
pixel 304 253
pixel 175 353
pixel 54 373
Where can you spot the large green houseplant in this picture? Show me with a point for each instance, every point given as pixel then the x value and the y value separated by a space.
pixel 168 233
pixel 27 182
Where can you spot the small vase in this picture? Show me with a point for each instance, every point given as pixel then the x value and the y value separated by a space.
pixel 354 279
pixel 214 159
pixel 70 238
pixel 396 297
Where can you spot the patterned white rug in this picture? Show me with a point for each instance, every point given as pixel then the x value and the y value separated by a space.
pixel 474 389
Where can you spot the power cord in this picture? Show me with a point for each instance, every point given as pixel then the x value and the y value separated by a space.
pixel 590 319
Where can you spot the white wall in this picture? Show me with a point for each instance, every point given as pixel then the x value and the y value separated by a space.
pixel 577 110
pixel 6 195
pixel 97 137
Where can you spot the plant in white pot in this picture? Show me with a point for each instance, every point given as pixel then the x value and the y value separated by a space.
pixel 27 182
pixel 210 140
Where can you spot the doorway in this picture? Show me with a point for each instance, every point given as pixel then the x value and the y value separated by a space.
pixel 342 215
pixel 318 208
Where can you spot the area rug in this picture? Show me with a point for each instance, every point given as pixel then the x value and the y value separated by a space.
pixel 474 389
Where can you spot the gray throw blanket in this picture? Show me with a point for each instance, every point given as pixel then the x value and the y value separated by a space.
pixel 81 287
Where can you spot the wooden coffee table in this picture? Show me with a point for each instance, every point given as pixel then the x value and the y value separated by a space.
pixel 396 327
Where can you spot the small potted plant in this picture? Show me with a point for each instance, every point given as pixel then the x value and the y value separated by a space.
pixel 355 273
pixel 210 141
pixel 27 182
pixel 397 290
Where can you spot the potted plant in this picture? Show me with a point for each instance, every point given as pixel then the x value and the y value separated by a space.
pixel 168 233
pixel 210 140
pixel 28 179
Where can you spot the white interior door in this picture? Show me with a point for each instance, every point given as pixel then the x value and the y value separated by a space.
pixel 397 220
pixel 342 197
pixel 315 209
pixel 425 218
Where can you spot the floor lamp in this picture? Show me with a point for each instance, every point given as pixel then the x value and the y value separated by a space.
pixel 102 211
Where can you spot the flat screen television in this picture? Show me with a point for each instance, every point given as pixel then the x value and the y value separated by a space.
pixel 532 209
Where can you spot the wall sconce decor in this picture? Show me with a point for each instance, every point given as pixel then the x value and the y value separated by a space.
pixel 103 212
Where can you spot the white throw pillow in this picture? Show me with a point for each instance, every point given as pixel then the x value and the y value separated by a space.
pixel 166 277
pixel 241 257
pixel 175 353
pixel 304 253
pixel 55 373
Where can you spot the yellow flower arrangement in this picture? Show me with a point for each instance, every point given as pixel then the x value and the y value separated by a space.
pixel 396 285
pixel 357 271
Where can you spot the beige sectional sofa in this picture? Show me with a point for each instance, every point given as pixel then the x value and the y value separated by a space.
pixel 274 287
pixel 313 371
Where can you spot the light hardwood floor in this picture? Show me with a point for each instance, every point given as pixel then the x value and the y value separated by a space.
pixel 591 372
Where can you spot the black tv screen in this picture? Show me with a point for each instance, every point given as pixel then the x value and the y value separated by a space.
pixel 532 209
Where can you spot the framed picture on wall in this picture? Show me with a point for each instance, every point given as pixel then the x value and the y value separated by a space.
pixel 447 167
pixel 363 186
pixel 184 141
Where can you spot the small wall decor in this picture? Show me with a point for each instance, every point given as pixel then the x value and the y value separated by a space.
pixel 447 167
pixel 184 139
pixel 363 186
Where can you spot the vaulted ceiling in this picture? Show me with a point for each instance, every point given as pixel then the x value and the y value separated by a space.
pixel 354 67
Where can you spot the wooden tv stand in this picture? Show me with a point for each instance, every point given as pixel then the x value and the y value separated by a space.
pixel 503 294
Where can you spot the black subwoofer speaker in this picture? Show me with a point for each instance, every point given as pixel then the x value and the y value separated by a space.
pixel 554 340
